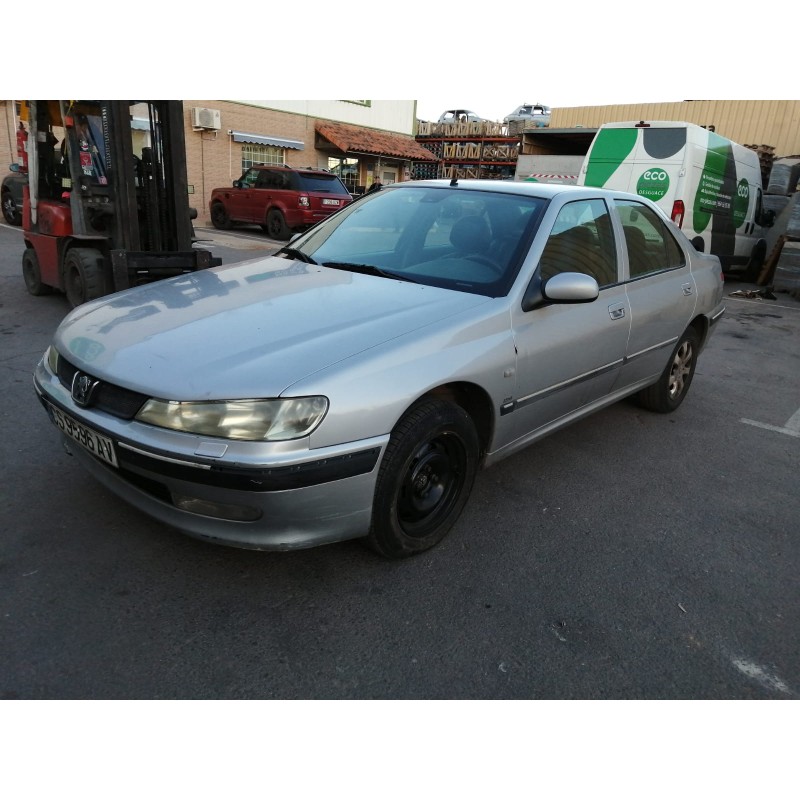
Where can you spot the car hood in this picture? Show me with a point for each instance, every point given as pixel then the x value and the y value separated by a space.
pixel 248 330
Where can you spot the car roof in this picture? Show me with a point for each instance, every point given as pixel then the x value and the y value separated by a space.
pixel 532 189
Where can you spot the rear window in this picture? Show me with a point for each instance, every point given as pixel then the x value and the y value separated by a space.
pixel 329 184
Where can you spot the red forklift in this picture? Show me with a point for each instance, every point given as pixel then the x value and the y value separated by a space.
pixel 106 206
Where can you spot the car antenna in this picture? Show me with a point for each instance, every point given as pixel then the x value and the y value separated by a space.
pixel 454 181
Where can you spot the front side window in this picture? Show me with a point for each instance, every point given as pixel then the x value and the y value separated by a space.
pixel 581 241
pixel 651 246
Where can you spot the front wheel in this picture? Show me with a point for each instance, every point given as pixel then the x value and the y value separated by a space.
pixel 220 218
pixel 668 392
pixel 84 276
pixel 276 225
pixel 424 480
pixel 32 274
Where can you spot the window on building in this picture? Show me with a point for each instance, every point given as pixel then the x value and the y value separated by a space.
pixel 262 154
pixel 346 169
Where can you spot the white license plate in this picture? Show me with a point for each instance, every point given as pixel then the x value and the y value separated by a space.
pixel 327 202
pixel 95 443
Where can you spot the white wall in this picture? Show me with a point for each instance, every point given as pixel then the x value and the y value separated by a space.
pixel 388 115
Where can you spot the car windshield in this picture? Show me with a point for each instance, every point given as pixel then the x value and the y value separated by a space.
pixel 321 183
pixel 466 240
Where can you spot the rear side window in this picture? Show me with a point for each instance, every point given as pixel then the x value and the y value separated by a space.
pixel 329 184
pixel 650 244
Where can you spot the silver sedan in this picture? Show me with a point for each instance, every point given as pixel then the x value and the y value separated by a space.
pixel 352 385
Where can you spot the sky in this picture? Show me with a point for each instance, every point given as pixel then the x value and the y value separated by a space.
pixel 447 55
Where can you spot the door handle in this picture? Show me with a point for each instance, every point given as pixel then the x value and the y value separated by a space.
pixel 616 312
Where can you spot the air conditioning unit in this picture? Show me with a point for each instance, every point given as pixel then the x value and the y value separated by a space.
pixel 206 118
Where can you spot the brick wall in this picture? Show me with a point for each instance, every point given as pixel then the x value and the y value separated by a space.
pixel 213 159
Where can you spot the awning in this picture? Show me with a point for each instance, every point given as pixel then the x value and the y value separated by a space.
pixel 257 138
pixel 353 139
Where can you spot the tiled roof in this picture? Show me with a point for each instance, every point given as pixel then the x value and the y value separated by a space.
pixel 353 139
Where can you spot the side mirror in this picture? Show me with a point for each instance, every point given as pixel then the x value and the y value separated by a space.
pixel 237 184
pixel 699 244
pixel 566 287
pixel 767 218
pixel 14 167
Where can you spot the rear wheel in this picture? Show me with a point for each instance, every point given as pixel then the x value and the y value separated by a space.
pixel 668 392
pixel 84 276
pixel 220 218
pixel 11 212
pixel 32 274
pixel 424 480
pixel 756 263
pixel 276 225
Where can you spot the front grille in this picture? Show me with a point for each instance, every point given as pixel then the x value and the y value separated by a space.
pixel 108 397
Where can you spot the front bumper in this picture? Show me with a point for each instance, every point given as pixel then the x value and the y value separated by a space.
pixel 266 496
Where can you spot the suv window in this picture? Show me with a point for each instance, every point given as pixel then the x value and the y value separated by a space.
pixel 651 246
pixel 321 183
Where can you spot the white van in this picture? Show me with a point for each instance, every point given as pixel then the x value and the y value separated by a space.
pixel 708 185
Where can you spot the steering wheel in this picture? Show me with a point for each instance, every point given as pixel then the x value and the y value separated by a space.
pixel 487 262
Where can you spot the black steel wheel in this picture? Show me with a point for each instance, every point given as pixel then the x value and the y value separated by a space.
pixel 424 480
pixel 32 274
pixel 220 218
pixel 668 392
pixel 11 211
pixel 276 225
pixel 84 275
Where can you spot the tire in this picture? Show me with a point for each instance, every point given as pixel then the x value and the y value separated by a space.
pixel 276 226
pixel 756 263
pixel 424 480
pixel 220 218
pixel 11 211
pixel 84 275
pixel 668 392
pixel 32 274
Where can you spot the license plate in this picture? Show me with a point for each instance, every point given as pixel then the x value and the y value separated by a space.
pixel 327 202
pixel 91 440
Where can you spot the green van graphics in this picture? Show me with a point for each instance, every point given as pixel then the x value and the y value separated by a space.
pixel 708 185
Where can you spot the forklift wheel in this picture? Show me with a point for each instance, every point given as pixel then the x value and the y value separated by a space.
pixel 220 218
pixel 84 278
pixel 32 274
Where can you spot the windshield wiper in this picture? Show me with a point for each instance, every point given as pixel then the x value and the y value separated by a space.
pixel 368 269
pixel 299 255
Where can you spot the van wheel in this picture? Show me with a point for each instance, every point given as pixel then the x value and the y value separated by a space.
pixel 756 262
pixel 424 479
pixel 668 392
pixel 84 276
pixel 220 218
pixel 276 225
pixel 33 274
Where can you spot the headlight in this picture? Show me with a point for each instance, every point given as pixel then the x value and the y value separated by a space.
pixel 51 358
pixel 251 420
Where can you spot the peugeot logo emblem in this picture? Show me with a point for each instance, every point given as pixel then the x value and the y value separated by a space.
pixel 83 388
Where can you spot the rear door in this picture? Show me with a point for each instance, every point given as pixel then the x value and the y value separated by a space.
pixel 660 289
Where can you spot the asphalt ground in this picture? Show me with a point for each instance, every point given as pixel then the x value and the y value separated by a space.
pixel 630 556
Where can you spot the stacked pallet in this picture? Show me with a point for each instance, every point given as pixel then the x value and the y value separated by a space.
pixel 766 155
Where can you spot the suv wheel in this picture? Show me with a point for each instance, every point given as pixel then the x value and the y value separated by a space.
pixel 220 218
pixel 276 225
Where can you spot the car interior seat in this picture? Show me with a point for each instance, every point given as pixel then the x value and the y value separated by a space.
pixel 470 236
pixel 576 250
pixel 638 260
